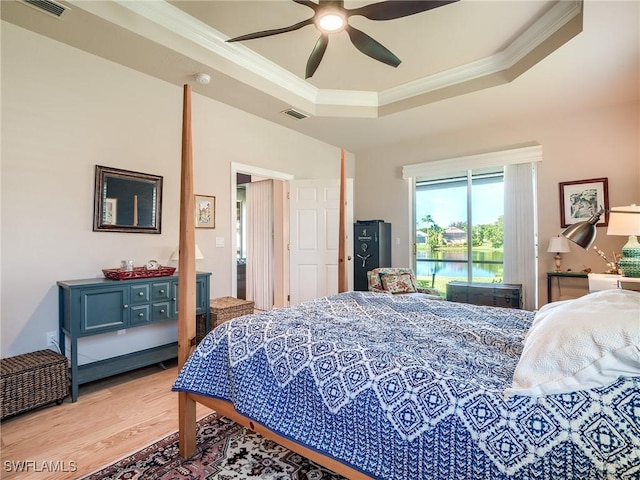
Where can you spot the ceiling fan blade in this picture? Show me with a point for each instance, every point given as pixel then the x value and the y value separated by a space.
pixel 334 3
pixel 275 31
pixel 372 48
pixel 307 3
pixel 397 8
pixel 316 56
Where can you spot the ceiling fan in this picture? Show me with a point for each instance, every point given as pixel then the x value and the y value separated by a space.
pixel 331 17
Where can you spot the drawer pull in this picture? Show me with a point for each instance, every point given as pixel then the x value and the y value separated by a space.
pixel 125 306
pixel 140 294
pixel 161 291
pixel 173 299
pixel 141 315
pixel 162 311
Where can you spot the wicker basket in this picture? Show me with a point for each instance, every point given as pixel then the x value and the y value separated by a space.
pixel 226 308
pixel 222 309
pixel 200 327
pixel 31 380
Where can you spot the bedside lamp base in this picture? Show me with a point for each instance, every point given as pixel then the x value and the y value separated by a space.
pixel 558 258
pixel 630 261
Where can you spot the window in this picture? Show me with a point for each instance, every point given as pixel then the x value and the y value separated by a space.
pixel 519 186
pixel 460 228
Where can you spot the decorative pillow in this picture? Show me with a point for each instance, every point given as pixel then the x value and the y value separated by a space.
pixel 400 283
pixel 579 344
pixel 373 278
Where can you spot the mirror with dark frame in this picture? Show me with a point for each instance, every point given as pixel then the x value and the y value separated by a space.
pixel 127 201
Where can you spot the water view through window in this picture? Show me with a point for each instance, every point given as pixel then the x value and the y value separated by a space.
pixel 460 229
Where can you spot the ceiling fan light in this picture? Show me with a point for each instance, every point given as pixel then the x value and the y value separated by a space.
pixel 331 22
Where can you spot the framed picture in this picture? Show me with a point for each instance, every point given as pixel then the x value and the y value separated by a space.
pixel 580 199
pixel 110 213
pixel 205 211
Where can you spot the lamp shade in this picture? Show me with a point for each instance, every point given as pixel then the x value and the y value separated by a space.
pixel 176 254
pixel 558 245
pixel 583 233
pixel 624 221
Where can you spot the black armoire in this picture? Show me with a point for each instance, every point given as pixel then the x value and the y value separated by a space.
pixel 371 249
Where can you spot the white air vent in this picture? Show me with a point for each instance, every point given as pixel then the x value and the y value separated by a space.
pixel 295 114
pixel 47 6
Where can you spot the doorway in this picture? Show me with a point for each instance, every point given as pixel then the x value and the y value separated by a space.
pixel 241 176
pixel 241 234
pixel 289 264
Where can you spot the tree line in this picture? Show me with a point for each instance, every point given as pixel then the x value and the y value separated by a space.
pixel 485 235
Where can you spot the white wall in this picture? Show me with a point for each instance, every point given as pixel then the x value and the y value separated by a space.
pixel 63 112
pixel 604 142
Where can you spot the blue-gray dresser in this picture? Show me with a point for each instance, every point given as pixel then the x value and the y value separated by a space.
pixel 100 305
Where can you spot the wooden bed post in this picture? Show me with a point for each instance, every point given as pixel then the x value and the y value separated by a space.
pixel 186 280
pixel 342 264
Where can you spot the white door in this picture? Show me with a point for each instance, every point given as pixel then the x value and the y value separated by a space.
pixel 314 217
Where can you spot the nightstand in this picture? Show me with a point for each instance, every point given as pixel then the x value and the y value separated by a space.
pixel 630 283
pixel 570 277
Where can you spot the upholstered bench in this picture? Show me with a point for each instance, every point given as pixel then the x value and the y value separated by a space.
pixel 31 380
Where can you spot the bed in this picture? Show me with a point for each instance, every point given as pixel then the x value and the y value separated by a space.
pixel 407 388
pixel 376 386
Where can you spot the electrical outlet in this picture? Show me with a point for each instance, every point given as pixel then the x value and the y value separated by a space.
pixel 52 339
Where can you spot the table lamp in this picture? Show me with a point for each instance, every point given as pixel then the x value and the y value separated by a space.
pixel 176 254
pixel 584 233
pixel 558 245
pixel 626 221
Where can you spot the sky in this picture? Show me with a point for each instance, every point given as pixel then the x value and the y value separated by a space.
pixel 449 205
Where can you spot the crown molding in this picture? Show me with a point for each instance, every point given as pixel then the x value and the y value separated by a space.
pixel 552 21
pixel 349 98
pixel 182 24
pixel 165 24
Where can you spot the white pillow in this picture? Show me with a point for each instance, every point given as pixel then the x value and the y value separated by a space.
pixel 579 344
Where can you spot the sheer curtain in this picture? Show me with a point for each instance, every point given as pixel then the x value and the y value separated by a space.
pixel 521 230
pixel 260 268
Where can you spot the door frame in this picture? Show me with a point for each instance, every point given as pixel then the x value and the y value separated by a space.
pixel 280 210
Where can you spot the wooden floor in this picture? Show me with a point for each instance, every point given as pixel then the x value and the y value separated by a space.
pixel 111 419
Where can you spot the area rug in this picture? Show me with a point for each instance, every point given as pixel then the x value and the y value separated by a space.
pixel 225 451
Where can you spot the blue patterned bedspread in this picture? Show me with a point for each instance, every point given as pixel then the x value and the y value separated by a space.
pixel 406 388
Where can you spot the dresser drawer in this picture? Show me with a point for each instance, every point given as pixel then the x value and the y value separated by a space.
pixel 161 311
pixel 160 291
pixel 140 314
pixel 139 294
